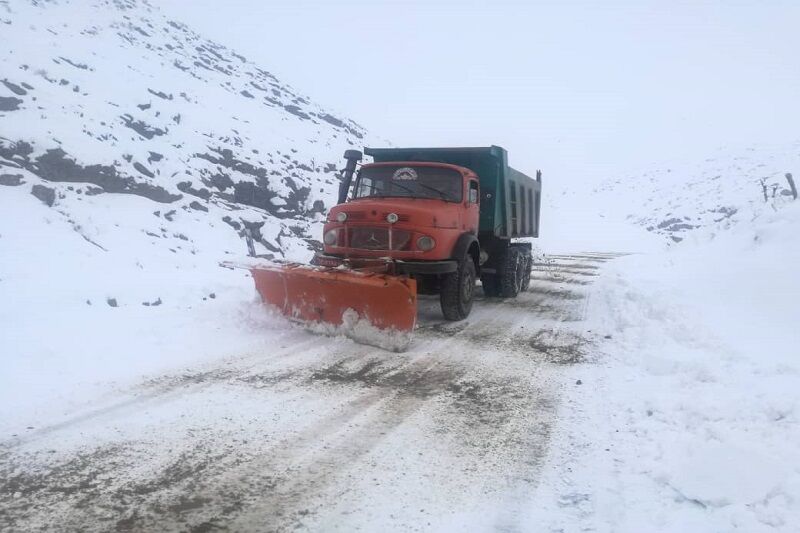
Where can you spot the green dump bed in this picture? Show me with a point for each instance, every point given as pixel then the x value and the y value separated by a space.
pixel 510 200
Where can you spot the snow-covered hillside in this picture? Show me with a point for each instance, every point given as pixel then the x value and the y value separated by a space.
pixel 133 152
pixel 110 98
pixel 687 420
pixel 669 203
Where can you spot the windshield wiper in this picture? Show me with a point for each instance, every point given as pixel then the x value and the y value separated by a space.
pixel 373 188
pixel 434 189
pixel 411 192
pixel 403 187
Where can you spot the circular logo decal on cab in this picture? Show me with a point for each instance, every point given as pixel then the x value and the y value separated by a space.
pixel 405 173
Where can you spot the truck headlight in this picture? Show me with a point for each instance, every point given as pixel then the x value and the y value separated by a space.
pixel 425 243
pixel 341 216
pixel 331 237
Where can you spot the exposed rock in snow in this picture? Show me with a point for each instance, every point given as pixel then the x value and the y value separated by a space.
pixel 116 95
pixel 689 200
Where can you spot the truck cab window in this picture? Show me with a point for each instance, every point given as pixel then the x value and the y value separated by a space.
pixel 410 181
pixel 473 192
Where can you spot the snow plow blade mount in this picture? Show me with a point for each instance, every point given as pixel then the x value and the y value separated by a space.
pixel 371 308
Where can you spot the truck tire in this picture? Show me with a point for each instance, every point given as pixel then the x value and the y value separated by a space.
pixel 512 272
pixel 457 291
pixel 526 278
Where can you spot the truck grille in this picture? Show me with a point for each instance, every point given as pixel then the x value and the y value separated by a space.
pixel 378 238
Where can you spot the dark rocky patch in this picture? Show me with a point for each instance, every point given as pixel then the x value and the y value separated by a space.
pixel 11 180
pixel 9 103
pixel 45 194
pixel 55 165
pixel 232 223
pixel 81 66
pixel 154 157
pixel 142 128
pixel 246 94
pixel 140 31
pixel 160 94
pixel 255 195
pixel 259 194
pixel 220 181
pixel 330 119
pixel 143 170
pixel 681 227
pixel 254 228
pixel 668 222
pixel 295 110
pixel 186 187
pixel 14 88
pixel 198 206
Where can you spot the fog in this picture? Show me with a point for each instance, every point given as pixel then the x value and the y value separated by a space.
pixel 579 89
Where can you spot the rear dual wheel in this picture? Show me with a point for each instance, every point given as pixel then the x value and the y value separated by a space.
pixel 526 277
pixel 513 274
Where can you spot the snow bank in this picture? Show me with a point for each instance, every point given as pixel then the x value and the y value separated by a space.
pixel 690 422
pixel 89 303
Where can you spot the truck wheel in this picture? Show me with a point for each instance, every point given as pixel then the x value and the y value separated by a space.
pixel 491 285
pixel 526 278
pixel 457 290
pixel 512 273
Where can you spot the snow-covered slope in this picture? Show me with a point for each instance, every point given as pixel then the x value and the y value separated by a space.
pixel 673 202
pixel 133 152
pixel 730 187
pixel 102 99
pixel 687 421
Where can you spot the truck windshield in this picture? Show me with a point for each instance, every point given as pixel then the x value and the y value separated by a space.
pixel 410 182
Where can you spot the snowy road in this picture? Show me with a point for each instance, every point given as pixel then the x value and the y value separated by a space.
pixel 321 433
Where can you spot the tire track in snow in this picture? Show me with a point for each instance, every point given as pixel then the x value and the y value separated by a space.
pixel 478 397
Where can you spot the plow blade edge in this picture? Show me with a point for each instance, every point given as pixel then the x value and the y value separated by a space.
pixel 353 303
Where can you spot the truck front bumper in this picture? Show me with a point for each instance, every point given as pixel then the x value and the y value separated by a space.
pixel 397 266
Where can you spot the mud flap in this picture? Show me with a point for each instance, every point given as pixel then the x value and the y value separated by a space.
pixel 371 308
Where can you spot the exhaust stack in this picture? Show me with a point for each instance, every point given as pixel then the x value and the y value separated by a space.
pixel 353 157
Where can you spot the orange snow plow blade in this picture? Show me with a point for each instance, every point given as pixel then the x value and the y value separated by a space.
pixel 373 308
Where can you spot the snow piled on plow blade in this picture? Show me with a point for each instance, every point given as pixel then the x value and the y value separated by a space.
pixel 370 308
pixel 363 331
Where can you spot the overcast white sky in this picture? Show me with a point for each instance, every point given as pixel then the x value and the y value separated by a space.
pixel 571 87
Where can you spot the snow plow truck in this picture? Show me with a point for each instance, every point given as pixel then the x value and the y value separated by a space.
pixel 414 221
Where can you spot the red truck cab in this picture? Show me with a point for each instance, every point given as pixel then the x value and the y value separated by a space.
pixel 406 211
